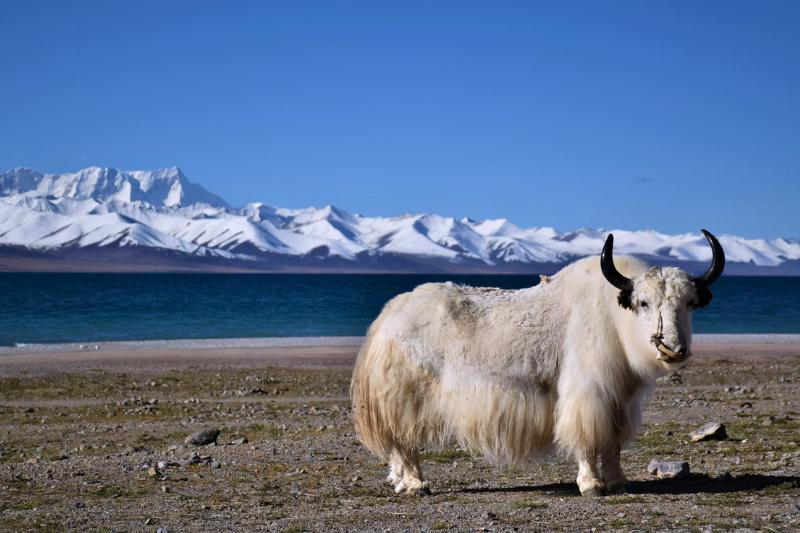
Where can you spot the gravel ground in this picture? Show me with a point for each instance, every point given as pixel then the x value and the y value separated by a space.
pixel 95 441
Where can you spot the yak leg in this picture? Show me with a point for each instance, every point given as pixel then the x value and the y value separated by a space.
pixel 611 470
pixel 405 473
pixel 589 481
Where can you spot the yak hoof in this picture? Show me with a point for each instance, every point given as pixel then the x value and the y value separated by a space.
pixel 593 489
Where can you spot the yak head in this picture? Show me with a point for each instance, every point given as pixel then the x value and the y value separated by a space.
pixel 662 300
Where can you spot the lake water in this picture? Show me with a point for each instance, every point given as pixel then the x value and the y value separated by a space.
pixel 44 308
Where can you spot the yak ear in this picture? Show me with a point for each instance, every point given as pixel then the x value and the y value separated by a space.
pixel 703 297
pixel 624 298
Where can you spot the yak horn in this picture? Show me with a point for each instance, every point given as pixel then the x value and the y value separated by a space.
pixel 609 270
pixel 717 263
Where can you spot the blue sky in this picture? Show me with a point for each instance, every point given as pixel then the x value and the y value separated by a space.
pixel 669 115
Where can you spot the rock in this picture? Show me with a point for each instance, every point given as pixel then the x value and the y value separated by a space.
pixel 240 440
pixel 203 438
pixel 215 464
pixel 710 431
pixel 162 465
pixel 164 489
pixel 668 469
pixel 195 459
pixel 153 472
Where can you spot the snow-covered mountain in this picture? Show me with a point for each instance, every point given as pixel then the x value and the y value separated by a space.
pixel 96 213
pixel 166 187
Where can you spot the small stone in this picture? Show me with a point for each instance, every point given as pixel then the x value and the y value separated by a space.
pixel 668 469
pixel 240 440
pixel 164 489
pixel 162 465
pixel 153 472
pixel 215 464
pixel 148 521
pixel 710 431
pixel 79 505
pixel 489 515
pixel 203 438
pixel 355 478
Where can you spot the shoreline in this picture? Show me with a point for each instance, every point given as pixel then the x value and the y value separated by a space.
pixel 141 357
pixel 699 339
pixel 182 344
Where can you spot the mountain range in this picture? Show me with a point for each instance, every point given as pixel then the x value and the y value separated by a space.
pixel 108 219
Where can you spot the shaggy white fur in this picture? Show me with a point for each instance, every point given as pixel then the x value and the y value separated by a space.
pixel 512 375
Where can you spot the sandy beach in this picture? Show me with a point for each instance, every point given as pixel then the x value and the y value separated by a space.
pixel 84 428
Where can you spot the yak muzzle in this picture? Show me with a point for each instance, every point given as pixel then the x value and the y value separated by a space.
pixel 670 355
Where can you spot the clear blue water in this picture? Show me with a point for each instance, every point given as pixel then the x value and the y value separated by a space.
pixel 96 307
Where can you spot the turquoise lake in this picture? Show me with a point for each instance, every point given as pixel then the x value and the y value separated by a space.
pixel 46 308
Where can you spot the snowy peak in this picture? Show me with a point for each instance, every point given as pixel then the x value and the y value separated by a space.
pixel 160 188
pixel 162 210
pixel 19 180
pixel 171 188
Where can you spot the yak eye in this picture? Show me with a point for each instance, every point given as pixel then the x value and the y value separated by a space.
pixel 643 305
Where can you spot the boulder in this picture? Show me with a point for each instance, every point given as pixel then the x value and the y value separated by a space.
pixel 710 431
pixel 668 469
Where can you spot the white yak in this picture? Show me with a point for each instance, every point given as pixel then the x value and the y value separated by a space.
pixel 515 374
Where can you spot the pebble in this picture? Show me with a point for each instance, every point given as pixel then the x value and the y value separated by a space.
pixel 668 469
pixel 215 464
pixel 203 438
pixel 240 440
pixel 153 471
pixel 164 489
pixel 709 431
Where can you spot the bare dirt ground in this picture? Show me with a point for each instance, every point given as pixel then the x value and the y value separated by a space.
pixel 79 432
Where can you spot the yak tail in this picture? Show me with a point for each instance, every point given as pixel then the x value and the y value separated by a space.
pixel 388 395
